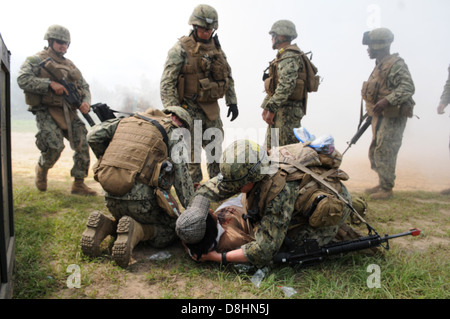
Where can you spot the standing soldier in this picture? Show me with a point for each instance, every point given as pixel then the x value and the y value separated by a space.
pixel 445 100
pixel 291 76
pixel 197 74
pixel 40 77
pixel 137 171
pixel 388 95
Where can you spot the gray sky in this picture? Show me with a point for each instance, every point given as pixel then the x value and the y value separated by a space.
pixel 121 47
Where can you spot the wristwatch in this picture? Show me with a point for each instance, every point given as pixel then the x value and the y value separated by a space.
pixel 224 259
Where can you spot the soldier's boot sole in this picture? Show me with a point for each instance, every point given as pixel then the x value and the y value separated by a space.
pixel 98 227
pixel 129 233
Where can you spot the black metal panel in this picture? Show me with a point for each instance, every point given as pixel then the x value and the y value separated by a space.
pixel 7 240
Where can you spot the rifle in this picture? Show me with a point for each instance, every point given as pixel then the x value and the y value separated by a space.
pixel 311 253
pixel 361 129
pixel 73 98
pixel 104 112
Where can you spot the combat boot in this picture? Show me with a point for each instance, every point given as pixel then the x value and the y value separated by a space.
pixel 80 188
pixel 382 194
pixel 129 234
pixel 372 190
pixel 41 178
pixel 98 227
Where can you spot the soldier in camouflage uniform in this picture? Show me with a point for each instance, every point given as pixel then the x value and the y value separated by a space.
pixel 286 86
pixel 275 204
pixel 196 74
pixel 55 119
pixel 445 100
pixel 136 171
pixel 388 95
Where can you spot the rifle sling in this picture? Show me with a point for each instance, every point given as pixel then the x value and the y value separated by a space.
pixel 158 126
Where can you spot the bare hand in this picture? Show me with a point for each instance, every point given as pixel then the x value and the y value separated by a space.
pixel 59 89
pixel 381 106
pixel 85 108
pixel 441 108
pixel 268 117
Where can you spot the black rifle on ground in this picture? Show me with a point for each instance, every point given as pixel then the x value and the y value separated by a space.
pixel 311 253
pixel 361 129
pixel 73 98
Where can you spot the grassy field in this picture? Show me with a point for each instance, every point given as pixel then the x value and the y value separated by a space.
pixel 50 265
pixel 49 226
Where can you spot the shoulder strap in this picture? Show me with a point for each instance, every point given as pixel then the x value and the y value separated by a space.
pixel 331 188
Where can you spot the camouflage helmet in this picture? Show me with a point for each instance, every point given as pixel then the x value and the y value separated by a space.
pixel 242 163
pixel 378 38
pixel 182 114
pixel 57 32
pixel 284 28
pixel 205 16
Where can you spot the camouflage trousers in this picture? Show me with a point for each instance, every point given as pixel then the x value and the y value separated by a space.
pixel 384 149
pixel 141 205
pixel 323 235
pixel 285 120
pixel 201 124
pixel 50 142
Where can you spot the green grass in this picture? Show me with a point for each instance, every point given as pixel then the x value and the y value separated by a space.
pixel 49 226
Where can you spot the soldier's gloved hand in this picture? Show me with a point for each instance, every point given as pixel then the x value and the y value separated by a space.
pixel 233 109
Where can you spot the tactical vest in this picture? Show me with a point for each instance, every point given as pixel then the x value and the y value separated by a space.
pixel 136 153
pixel 315 204
pixel 375 89
pixel 204 78
pixel 307 80
pixel 56 69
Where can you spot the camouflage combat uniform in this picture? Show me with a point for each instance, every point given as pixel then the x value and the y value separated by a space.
pixel 278 216
pixel 140 202
pixel 288 113
pixel 290 78
pixel 50 136
pixel 176 69
pixel 445 97
pixel 388 128
pixel 391 88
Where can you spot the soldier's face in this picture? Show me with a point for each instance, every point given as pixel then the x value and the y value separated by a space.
pixel 60 46
pixel 372 53
pixel 204 34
